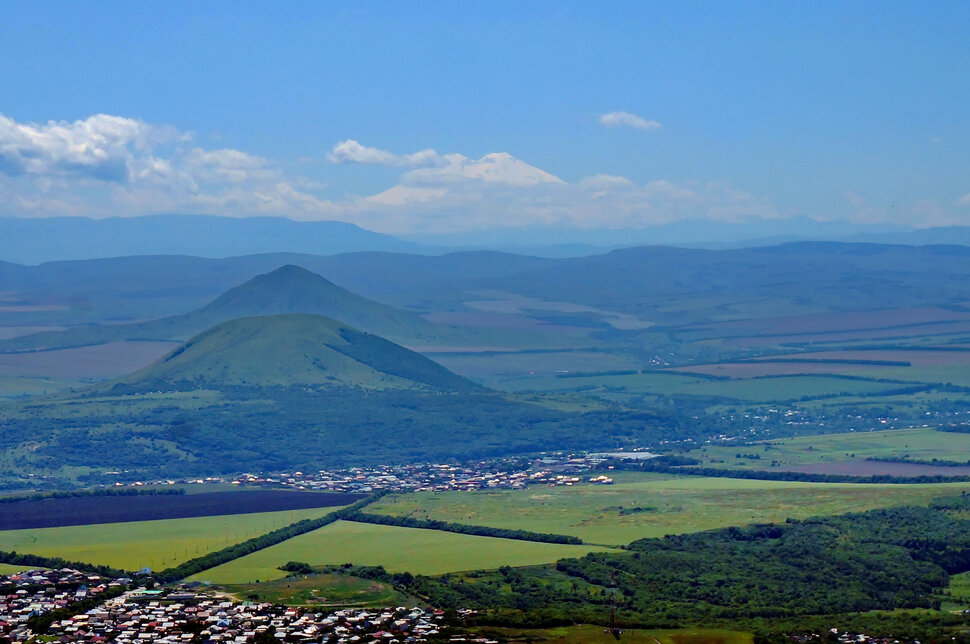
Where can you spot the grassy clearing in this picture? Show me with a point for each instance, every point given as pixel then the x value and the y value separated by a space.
pixel 647 505
pixel 149 544
pixel 587 634
pixel 919 444
pixel 320 591
pixel 428 552
pixel 957 595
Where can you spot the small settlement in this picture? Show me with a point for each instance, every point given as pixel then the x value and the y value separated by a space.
pixel 187 614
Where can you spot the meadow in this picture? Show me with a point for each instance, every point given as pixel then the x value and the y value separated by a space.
pixel 321 590
pixel 913 444
pixel 10 569
pixel 641 505
pixel 149 544
pixel 427 552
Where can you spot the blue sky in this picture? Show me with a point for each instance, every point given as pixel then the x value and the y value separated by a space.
pixel 748 110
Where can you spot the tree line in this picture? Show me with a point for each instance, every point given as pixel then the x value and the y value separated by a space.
pixel 462 528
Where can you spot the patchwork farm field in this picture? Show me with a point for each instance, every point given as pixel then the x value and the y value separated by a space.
pixel 645 505
pixel 427 552
pixel 84 510
pixel 853 448
pixel 149 544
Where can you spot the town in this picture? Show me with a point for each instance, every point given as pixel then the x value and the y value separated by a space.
pixel 189 614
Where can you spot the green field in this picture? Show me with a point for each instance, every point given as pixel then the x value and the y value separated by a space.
pixel 682 384
pixel 321 590
pixel 957 594
pixel 9 569
pixel 427 552
pixel 917 444
pixel 652 505
pixel 149 544
pixel 588 634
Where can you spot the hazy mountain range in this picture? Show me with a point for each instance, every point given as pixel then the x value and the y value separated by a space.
pixel 34 241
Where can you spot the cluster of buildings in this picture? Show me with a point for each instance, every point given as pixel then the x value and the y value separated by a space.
pixel 834 635
pixel 35 592
pixel 564 470
pixel 185 615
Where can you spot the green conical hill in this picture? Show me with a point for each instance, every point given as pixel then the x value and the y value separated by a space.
pixel 288 289
pixel 295 349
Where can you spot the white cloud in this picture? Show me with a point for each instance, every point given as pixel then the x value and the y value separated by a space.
pixel 626 119
pixel 350 151
pixel 499 190
pixel 964 200
pixel 101 147
pixel 111 165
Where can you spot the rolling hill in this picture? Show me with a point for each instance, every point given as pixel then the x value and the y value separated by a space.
pixel 294 349
pixel 288 289
pixel 288 391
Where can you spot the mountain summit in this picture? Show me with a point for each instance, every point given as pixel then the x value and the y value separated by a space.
pixel 292 289
pixel 288 289
pixel 296 349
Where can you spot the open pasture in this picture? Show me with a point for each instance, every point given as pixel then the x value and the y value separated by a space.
pixel 84 510
pixel 912 334
pixel 915 444
pixel 100 361
pixel 681 382
pixel 427 552
pixel 12 569
pixel 322 590
pixel 7 332
pixel 641 505
pixel 149 544
pixel 815 323
pixel 15 386
pixel 917 358
pixel 525 363
pixel 776 368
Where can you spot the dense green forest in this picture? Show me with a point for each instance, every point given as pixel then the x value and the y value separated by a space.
pixel 758 574
pixel 274 428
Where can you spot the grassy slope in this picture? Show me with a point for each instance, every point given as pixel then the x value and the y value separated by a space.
pixel 304 349
pixel 673 505
pixel 149 544
pixel 397 549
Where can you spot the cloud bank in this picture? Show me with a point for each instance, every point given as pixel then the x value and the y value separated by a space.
pixel 115 166
pixel 111 165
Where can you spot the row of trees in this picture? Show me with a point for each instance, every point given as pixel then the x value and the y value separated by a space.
pixel 462 528
pixel 235 551
pixel 103 491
